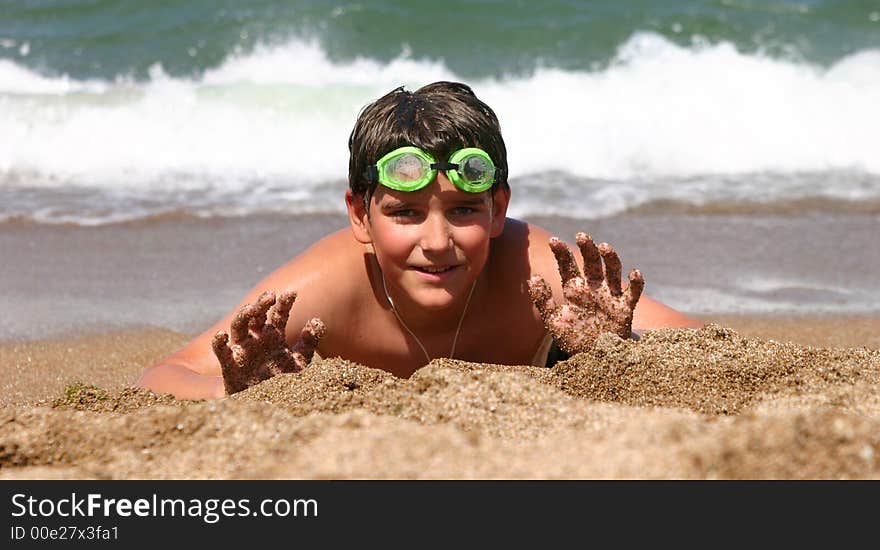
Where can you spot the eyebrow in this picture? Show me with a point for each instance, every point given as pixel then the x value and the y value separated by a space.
pixel 395 203
pixel 474 200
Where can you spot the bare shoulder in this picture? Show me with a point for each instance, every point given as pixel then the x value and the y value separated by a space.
pixel 324 276
pixel 332 282
pixel 328 256
pixel 517 252
pixel 541 255
pixel 524 249
pixel 525 240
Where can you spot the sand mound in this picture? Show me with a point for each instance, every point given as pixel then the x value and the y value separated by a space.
pixel 711 371
pixel 677 404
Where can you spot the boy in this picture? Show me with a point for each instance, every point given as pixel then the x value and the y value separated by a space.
pixel 430 267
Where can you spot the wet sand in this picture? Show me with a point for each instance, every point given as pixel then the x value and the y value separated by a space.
pixel 748 398
pixel 185 273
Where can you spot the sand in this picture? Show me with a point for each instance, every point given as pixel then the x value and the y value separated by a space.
pixel 716 403
pixel 743 398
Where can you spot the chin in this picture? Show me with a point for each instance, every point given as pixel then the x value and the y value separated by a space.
pixel 435 300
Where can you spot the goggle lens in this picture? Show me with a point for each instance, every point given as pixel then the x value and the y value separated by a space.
pixel 406 169
pixel 475 169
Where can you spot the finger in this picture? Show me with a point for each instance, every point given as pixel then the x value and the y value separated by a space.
pixel 311 334
pixel 542 296
pixel 221 348
pixel 634 290
pixel 568 268
pixel 280 312
pixel 613 268
pixel 592 259
pixel 261 306
pixel 239 326
pixel 231 375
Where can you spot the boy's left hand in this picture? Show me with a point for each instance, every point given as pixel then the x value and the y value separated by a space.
pixel 595 302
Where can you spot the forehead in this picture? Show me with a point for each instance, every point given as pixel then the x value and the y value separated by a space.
pixel 440 189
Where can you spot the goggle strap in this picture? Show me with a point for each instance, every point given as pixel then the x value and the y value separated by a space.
pixel 372 173
pixel 444 166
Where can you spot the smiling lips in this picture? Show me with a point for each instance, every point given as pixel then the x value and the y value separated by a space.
pixel 434 270
pixel 435 273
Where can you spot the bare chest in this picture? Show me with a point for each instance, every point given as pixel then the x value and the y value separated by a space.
pixel 498 328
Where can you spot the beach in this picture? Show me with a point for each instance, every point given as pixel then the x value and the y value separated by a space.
pixel 752 396
pixel 679 404
pixel 158 160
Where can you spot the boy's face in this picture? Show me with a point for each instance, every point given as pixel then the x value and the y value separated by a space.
pixel 433 243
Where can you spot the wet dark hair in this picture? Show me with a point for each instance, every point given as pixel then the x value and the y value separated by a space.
pixel 439 118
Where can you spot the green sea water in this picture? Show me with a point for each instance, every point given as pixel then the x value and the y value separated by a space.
pixel 109 38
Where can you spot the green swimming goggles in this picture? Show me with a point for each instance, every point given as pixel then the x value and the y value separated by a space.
pixel 410 169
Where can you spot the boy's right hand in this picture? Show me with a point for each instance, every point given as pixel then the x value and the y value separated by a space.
pixel 258 349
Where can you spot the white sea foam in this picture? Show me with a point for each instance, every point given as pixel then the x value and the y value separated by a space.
pixel 665 110
pixel 270 128
pixel 15 79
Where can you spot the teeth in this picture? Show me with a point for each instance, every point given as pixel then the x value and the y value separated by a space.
pixel 435 269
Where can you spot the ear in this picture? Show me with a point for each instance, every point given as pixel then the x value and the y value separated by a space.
pixel 500 198
pixel 357 217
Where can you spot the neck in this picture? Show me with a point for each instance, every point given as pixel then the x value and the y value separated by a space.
pixel 437 324
pixel 429 321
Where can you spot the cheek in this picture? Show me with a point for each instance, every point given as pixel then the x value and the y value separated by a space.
pixel 474 240
pixel 393 240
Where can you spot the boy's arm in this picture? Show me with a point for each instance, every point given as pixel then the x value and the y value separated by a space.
pixel 181 381
pixel 651 314
pixel 194 371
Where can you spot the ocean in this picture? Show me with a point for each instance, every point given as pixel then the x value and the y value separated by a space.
pixel 692 116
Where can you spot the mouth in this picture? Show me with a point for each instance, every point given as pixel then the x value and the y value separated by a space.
pixel 434 270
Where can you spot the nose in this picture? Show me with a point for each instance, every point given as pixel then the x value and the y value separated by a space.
pixel 436 234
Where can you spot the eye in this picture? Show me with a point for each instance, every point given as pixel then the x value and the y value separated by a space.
pixel 403 213
pixel 464 211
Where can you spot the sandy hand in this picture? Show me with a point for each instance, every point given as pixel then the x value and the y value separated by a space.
pixel 258 349
pixel 595 302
